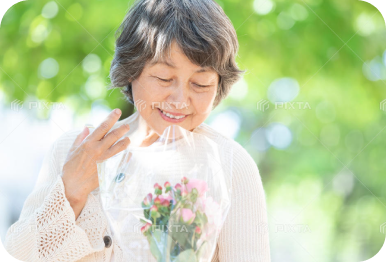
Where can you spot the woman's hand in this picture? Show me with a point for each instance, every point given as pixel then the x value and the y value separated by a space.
pixel 80 176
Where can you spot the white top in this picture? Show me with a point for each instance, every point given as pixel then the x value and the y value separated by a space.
pixel 47 229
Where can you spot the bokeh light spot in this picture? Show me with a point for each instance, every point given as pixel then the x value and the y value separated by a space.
pixel 50 10
pixel 283 90
pixel 279 136
pixel 92 63
pixel 49 68
pixel 263 7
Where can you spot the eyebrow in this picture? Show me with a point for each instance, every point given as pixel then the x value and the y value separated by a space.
pixel 173 66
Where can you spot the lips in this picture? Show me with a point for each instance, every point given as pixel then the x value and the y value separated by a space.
pixel 172 117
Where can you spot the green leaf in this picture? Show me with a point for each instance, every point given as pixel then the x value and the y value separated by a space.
pixel 203 249
pixel 180 236
pixel 154 247
pixel 164 221
pixel 200 219
pixel 186 256
pixel 146 213
pixel 175 250
pixel 194 195
pixel 160 245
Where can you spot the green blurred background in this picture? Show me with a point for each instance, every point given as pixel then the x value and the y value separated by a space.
pixel 320 155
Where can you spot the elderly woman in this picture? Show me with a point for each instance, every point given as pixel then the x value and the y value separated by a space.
pixel 179 53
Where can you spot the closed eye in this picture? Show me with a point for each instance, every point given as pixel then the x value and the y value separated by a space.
pixel 165 80
pixel 201 85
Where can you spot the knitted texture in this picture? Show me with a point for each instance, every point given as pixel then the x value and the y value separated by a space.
pixel 47 230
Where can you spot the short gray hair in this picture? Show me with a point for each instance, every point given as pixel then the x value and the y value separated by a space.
pixel 200 28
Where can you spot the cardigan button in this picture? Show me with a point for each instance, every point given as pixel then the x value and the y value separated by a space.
pixel 108 241
pixel 120 177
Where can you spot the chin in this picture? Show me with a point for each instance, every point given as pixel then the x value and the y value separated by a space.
pixel 160 128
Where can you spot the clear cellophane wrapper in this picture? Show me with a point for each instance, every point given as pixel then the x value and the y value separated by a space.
pixel 167 201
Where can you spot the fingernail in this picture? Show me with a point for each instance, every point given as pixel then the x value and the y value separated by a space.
pixel 117 111
pixel 90 128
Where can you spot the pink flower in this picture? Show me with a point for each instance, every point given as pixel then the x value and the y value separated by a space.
pixel 184 192
pixel 178 187
pixel 168 198
pixel 157 189
pixel 153 210
pixel 145 228
pixel 213 213
pixel 200 185
pixel 147 199
pixel 165 203
pixel 167 187
pixel 157 200
pixel 198 230
pixel 188 216
pixel 184 180
pixel 212 210
pixel 200 204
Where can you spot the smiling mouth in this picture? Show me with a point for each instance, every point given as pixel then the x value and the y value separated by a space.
pixel 172 115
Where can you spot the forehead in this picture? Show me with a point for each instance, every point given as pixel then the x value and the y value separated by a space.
pixel 171 65
pixel 173 57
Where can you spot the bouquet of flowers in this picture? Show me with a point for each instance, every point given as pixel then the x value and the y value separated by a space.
pixel 179 221
pixel 167 202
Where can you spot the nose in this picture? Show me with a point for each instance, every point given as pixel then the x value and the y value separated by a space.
pixel 180 96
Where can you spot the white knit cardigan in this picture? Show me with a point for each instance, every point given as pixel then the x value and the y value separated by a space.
pixel 47 229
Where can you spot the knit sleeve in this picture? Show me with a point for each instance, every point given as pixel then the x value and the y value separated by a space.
pixel 244 236
pixel 46 229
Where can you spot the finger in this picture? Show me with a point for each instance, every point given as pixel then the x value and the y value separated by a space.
pixel 118 147
pixel 80 137
pixel 90 127
pixel 106 125
pixel 114 135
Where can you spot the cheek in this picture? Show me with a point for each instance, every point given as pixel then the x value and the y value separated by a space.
pixel 142 98
pixel 203 102
pixel 147 90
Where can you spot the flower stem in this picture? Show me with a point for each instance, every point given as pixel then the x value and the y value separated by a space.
pixel 193 240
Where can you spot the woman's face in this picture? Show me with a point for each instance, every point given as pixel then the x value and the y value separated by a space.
pixel 175 92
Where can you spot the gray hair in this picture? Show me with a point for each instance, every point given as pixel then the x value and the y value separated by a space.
pixel 200 28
